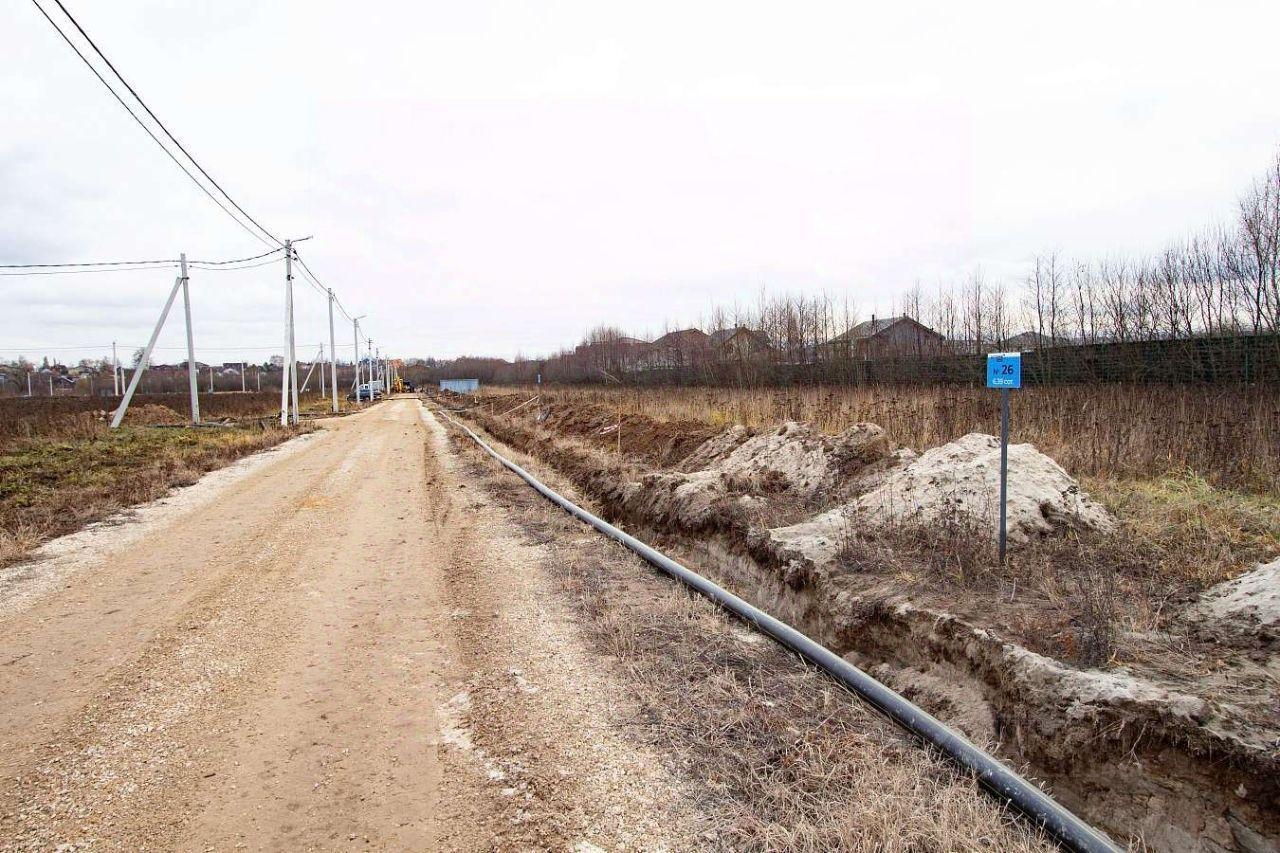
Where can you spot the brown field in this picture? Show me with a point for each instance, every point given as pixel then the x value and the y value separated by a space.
pixel 1227 436
pixel 61 467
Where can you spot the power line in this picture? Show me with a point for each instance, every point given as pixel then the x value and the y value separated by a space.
pixel 123 345
pixel 181 148
pixel 164 266
pixel 148 131
pixel 307 273
pixel 89 264
pixel 238 260
pixel 158 261
pixel 201 265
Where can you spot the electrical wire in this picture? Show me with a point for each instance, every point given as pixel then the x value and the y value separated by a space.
pixel 200 266
pixel 143 125
pixel 127 266
pixel 173 265
pixel 315 279
pixel 93 264
pixel 238 260
pixel 238 264
pixel 181 148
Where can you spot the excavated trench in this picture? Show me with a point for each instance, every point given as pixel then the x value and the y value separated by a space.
pixel 1144 761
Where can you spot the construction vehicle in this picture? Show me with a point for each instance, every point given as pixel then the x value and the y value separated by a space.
pixel 402 386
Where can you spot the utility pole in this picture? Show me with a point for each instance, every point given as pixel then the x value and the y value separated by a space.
pixel 322 391
pixel 333 357
pixel 28 383
pixel 355 331
pixel 115 370
pixel 191 347
pixel 288 332
pixel 243 368
pixel 210 378
pixel 293 350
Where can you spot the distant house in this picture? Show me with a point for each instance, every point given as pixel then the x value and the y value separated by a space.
pixel 740 344
pixel 1025 341
pixel 882 337
pixel 613 353
pixel 276 361
pixel 677 349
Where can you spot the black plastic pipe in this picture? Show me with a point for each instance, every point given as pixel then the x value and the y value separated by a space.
pixel 1059 823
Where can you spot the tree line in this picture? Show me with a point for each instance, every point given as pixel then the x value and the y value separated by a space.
pixel 1222 284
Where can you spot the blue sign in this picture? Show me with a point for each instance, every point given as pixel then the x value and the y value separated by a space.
pixel 1004 370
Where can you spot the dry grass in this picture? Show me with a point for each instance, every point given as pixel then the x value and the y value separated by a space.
pixel 1228 436
pixel 1200 533
pixel 1076 598
pixel 780 757
pixel 86 417
pixel 61 468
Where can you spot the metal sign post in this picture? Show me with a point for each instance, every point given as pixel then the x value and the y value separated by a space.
pixel 1004 371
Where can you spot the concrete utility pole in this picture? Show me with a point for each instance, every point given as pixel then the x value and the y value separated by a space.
pixel 288 332
pixel 28 383
pixel 322 391
pixel 115 370
pixel 293 350
pixel 191 347
pixel 211 379
pixel 355 332
pixel 243 368
pixel 333 357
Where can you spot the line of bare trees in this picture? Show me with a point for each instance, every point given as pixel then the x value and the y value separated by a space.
pixel 1222 283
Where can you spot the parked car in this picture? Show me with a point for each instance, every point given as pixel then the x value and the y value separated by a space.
pixel 364 392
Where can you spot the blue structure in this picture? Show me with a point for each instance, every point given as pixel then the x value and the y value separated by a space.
pixel 460 386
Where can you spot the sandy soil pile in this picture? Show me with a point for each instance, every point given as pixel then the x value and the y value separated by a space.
pixel 1247 607
pixel 959 483
pixel 736 468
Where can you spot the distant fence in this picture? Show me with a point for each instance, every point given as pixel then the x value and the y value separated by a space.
pixel 460 386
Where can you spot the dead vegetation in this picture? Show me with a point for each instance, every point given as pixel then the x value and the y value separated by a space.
pixel 1189 475
pixel 1122 682
pixel 780 758
pixel 1228 436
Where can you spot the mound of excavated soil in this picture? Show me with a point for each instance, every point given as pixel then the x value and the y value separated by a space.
pixel 152 413
pixel 794 460
pixel 1248 606
pixel 959 483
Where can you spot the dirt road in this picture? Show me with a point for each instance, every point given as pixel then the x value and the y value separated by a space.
pixel 269 666
pixel 358 640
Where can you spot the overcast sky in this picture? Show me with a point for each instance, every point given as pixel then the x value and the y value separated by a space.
pixel 494 178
